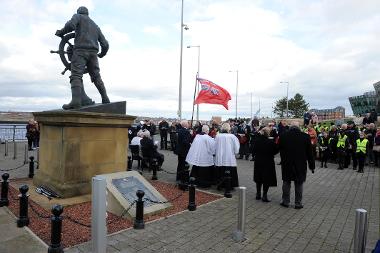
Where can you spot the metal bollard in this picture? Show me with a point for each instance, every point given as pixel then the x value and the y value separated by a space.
pixel 129 164
pixel 139 220
pixel 192 206
pixel 23 219
pixel 14 150
pixel 361 227
pixel 31 167
pixel 238 234
pixel 26 154
pixel 6 148
pixel 4 201
pixel 154 169
pixel 56 230
pixel 227 184
pixel 99 215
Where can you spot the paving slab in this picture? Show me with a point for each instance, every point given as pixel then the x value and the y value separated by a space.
pixel 325 224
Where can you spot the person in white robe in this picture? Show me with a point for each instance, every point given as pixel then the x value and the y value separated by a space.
pixel 201 157
pixel 226 148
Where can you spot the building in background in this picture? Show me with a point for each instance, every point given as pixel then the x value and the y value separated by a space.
pixel 368 101
pixel 326 114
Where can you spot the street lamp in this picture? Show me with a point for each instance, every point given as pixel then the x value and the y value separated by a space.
pixel 183 26
pixel 199 57
pixel 287 99
pixel 237 85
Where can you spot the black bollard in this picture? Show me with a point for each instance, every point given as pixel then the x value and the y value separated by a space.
pixel 154 168
pixel 31 167
pixel 184 180
pixel 227 183
pixel 56 230
pixel 139 220
pixel 23 219
pixel 192 206
pixel 129 164
pixel 4 201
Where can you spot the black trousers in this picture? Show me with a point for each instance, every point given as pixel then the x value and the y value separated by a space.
pixel 361 160
pixel 258 189
pixel 181 167
pixel 324 156
pixel 350 154
pixel 341 154
pixel 164 140
pixel 298 188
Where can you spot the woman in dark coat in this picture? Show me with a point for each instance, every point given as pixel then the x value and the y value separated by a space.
pixel 264 168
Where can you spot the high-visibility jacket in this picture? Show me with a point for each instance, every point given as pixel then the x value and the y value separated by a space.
pixel 341 141
pixel 361 146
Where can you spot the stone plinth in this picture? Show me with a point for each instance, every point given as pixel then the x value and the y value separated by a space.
pixel 75 146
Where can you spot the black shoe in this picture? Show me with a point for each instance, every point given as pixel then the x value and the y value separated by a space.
pixel 258 197
pixel 299 206
pixel 354 168
pixel 246 158
pixel 340 168
pixel 284 205
pixel 326 166
pixel 322 165
pixel 360 171
pixel 240 157
pixel 265 199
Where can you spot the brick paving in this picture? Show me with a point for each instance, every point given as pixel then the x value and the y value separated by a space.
pixel 325 224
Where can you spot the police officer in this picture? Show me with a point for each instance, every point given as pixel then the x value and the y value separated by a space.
pixel 88 36
pixel 352 134
pixel 341 147
pixel 361 151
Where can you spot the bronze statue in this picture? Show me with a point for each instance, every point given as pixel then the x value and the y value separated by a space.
pixel 83 56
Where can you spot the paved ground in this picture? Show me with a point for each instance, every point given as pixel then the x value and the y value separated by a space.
pixel 325 224
pixel 12 238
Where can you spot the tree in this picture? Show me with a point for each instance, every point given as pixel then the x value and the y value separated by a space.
pixel 280 107
pixel 298 106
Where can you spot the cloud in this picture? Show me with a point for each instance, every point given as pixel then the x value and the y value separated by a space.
pixel 327 51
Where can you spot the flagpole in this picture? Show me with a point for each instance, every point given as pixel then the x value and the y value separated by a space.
pixel 195 92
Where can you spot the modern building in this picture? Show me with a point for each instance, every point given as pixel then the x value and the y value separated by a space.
pixel 327 114
pixel 368 101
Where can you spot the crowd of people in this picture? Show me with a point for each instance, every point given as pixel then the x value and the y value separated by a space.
pixel 212 150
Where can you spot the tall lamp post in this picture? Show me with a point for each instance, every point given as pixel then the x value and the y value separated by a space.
pixel 287 98
pixel 183 26
pixel 237 85
pixel 199 57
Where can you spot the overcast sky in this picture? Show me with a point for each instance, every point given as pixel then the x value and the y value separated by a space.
pixel 326 50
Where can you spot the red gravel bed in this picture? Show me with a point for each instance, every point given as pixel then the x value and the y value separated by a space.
pixel 73 233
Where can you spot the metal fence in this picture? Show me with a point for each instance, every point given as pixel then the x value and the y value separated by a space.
pixel 14 132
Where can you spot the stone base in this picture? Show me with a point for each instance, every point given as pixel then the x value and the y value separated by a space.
pixel 75 146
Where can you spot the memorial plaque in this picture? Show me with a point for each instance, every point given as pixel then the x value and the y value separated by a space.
pixel 122 188
pixel 128 187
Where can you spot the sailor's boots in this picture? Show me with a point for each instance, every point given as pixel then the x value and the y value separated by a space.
pixel 85 99
pixel 76 91
pixel 102 90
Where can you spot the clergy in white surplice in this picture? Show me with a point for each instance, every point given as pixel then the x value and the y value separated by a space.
pixel 226 148
pixel 201 157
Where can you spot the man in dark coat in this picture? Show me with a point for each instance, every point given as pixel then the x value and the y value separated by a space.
pixel 296 152
pixel 264 168
pixel 183 146
pixel 149 150
pixel 164 127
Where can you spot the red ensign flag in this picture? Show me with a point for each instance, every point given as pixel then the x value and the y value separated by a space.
pixel 212 94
